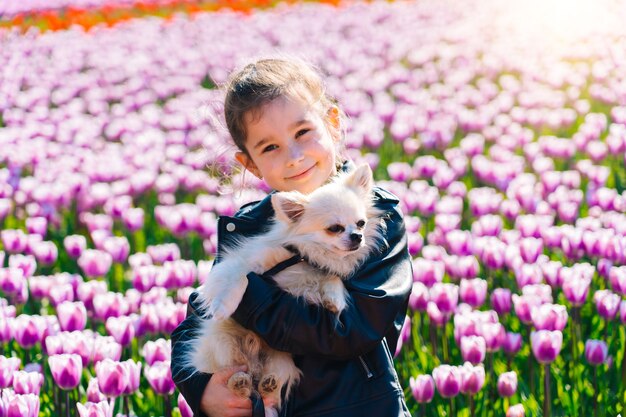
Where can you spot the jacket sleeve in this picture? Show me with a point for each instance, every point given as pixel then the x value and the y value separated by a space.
pixel 378 294
pixel 188 380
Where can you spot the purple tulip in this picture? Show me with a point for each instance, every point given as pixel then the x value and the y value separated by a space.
pixel 8 367
pixel 29 330
pixel 121 328
pixel 512 343
pixel 112 377
pixel 75 245
pixel 405 335
pixel 27 382
pixel 530 249
pixel 523 305
pixel 163 252
pixel 546 345
pixel 13 240
pixel 94 262
pixel 472 378
pixel 186 411
pixel 66 370
pixel 549 317
pixel 507 384
pixel 494 334
pixel 419 297
pixel 427 271
pixel 445 296
pixel 26 263
pixel 134 372
pixel 423 388
pixel 159 376
pixel 527 274
pixel 473 349
pixel 473 291
pixel 596 352
pixel 105 347
pixel 88 290
pixel 607 303
pixel 157 351
pixel 93 392
pixel 118 247
pixel 21 405
pixel 72 316
pixel 448 380
pixel 133 218
pixel 110 304
pixel 501 300
pixel 575 289
pixel 91 409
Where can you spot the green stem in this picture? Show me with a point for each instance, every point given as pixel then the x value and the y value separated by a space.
pixel 67 403
pixel 574 360
pixel 546 391
pixel 445 343
pixel 595 391
pixel 452 407
pixel 167 406
pixel 471 405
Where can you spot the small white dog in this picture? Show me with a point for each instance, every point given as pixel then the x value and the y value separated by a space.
pixel 333 229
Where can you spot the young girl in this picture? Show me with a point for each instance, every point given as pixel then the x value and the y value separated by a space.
pixel 289 133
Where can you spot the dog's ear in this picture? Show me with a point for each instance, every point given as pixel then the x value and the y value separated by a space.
pixel 289 206
pixel 361 179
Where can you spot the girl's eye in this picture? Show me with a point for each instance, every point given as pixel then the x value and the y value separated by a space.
pixel 269 148
pixel 335 228
pixel 302 132
pixel 360 223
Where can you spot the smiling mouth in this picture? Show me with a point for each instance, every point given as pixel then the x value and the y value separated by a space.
pixel 302 174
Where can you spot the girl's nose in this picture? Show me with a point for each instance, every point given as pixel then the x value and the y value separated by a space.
pixel 295 153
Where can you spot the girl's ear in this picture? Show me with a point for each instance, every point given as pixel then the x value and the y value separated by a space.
pixel 289 206
pixel 248 164
pixel 334 120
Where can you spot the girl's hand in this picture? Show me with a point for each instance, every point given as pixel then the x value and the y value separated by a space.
pixel 219 401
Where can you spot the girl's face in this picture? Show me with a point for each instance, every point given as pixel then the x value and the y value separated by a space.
pixel 290 145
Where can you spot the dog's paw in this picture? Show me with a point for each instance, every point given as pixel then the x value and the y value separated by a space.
pixel 224 305
pixel 333 297
pixel 241 384
pixel 271 412
pixel 268 385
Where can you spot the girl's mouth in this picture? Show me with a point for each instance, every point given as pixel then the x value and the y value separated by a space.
pixel 302 174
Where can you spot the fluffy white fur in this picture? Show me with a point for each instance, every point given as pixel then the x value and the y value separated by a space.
pixel 325 227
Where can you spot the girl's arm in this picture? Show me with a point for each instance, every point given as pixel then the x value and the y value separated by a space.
pixel 378 296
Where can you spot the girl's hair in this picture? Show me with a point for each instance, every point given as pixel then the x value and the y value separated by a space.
pixel 265 80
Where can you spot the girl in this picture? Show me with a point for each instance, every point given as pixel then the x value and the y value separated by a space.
pixel 289 133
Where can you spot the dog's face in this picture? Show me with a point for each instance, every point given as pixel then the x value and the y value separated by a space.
pixel 333 216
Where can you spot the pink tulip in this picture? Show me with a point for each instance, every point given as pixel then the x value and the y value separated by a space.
pixel 21 405
pixel 473 291
pixel 95 263
pixel 27 382
pixel 93 392
pixel 507 384
pixel 100 409
pixel 516 410
pixel 596 352
pixel 427 271
pixel 13 240
pixel 472 378
pixel 501 300
pixel 72 316
pixel 159 376
pixel 186 411
pixel 122 329
pixel 607 303
pixel 26 263
pixel 512 343
pixel 448 380
pixel 118 247
pixel 29 330
pixel 66 370
pixel 112 377
pixel 523 306
pixel 8 367
pixel 423 388
pixel 473 349
pixel 75 245
pixel 445 296
pixel 105 347
pixel 494 334
pixel 549 317
pixel 546 345
pixel 134 372
pixel 419 297
pixel 157 351
pixel 46 252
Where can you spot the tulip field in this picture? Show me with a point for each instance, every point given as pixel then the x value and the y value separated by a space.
pixel 501 127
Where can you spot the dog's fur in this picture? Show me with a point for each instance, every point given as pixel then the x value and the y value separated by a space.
pixel 324 227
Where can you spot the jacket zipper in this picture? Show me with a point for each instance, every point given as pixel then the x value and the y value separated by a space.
pixel 366 368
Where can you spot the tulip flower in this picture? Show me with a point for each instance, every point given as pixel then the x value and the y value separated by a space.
pixel 423 388
pixel 29 330
pixel 112 377
pixel 157 351
pixel 473 349
pixel 549 317
pixel 186 411
pixel 159 376
pixel 473 291
pixel 21 405
pixel 596 352
pixel 448 380
pixel 75 245
pixel 94 262
pixel 93 392
pixel 66 370
pixel 445 296
pixel 91 409
pixel 501 300
pixel 27 382
pixel 507 384
pixel 8 367
pixel 419 297
pixel 121 328
pixel 607 304
pixel 516 410
pixel 72 316
pixel 546 346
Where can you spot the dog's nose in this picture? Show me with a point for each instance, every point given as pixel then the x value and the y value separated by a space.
pixel 356 237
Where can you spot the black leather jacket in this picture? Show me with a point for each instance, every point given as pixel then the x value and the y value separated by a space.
pixel 347 364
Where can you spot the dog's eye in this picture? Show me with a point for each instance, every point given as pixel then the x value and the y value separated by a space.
pixel 335 228
pixel 360 223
